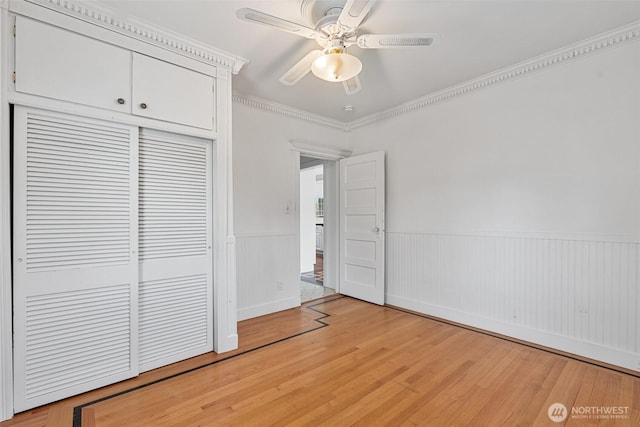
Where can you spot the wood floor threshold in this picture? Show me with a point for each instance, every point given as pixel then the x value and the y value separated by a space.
pixel 572 356
pixel 78 410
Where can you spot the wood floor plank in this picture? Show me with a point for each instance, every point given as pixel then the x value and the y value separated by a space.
pixel 370 366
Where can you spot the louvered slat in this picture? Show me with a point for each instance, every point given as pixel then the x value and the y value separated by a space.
pixel 75 277
pixel 78 351
pixel 175 239
pixel 173 196
pixel 171 309
pixel 64 158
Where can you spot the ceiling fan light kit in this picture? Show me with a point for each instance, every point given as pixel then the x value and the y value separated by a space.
pixel 336 28
pixel 335 64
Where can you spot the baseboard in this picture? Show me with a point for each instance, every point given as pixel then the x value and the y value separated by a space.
pixel 607 355
pixel 245 313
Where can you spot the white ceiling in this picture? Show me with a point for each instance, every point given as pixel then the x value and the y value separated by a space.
pixel 475 38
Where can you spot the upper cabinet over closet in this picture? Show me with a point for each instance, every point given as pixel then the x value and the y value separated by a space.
pixel 62 65
pixel 167 92
pixel 59 64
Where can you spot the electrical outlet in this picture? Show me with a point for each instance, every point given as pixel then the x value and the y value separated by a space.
pixel 280 286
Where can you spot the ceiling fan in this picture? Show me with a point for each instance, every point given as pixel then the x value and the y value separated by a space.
pixel 336 28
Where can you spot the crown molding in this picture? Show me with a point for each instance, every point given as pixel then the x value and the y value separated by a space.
pixel 106 17
pixel 572 52
pixel 273 107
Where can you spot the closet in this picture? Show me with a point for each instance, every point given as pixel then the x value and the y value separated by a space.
pixel 114 241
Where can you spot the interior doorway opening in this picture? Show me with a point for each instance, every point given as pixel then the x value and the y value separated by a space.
pixel 314 252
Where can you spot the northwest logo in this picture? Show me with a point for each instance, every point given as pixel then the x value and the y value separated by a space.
pixel 557 412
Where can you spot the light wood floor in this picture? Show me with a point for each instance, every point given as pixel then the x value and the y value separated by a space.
pixel 359 364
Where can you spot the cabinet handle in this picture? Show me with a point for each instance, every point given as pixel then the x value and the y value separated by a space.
pixel 143 106
pixel 120 101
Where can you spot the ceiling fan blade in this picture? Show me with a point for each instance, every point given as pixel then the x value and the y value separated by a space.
pixel 395 41
pixel 352 85
pixel 354 12
pixel 255 16
pixel 301 68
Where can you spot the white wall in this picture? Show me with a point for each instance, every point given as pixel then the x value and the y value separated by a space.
pixel 516 207
pixel 264 205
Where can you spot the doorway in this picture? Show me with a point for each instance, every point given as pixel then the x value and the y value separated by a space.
pixel 314 229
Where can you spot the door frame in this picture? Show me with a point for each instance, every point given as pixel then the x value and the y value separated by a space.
pixel 331 194
pixel 6 302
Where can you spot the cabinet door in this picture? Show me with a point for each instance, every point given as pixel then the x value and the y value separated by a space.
pixel 167 92
pixel 59 64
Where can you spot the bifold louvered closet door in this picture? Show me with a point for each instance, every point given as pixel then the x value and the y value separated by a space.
pixel 112 253
pixel 175 291
pixel 75 263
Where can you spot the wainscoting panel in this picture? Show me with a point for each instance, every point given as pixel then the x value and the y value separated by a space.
pixel 578 296
pixel 267 276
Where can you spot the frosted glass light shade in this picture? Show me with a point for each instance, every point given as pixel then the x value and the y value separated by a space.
pixel 336 67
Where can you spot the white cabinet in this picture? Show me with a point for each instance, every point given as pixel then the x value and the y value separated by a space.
pixel 59 64
pixel 167 92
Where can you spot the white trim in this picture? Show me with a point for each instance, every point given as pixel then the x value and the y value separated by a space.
pixel 564 343
pixel 268 308
pixel 331 224
pixel 540 235
pixel 6 303
pixel 283 110
pixel 331 195
pixel 103 16
pixel 224 242
pixel 310 149
pixel 249 235
pixel 35 101
pixel 295 167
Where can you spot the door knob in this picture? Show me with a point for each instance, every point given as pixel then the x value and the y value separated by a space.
pixel 143 106
pixel 376 229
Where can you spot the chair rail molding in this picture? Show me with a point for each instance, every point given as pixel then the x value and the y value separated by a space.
pixel 139 29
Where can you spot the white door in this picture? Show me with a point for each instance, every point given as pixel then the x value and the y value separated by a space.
pixel 176 305
pixel 362 227
pixel 75 235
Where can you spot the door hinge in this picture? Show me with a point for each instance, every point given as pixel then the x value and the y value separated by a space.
pixel 13 76
pixel 14 31
pixel 213 88
pixel 213 122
